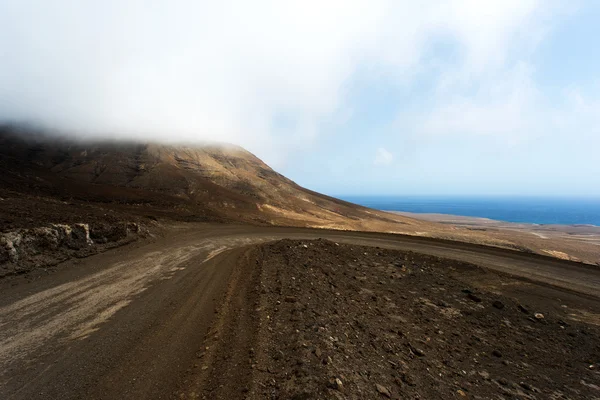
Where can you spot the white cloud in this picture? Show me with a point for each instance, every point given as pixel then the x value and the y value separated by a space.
pixel 504 106
pixel 192 70
pixel 383 157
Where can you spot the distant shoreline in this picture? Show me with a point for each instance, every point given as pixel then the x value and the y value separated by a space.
pixel 482 222
pixel 518 210
pixel 466 219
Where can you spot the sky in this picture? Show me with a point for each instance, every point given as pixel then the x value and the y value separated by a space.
pixel 346 97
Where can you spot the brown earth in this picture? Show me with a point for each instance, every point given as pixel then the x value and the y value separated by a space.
pixel 205 311
pixel 319 319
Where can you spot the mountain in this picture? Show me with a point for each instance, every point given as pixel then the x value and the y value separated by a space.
pixel 129 180
pixel 61 197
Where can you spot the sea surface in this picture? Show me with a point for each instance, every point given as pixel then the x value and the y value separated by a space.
pixel 535 210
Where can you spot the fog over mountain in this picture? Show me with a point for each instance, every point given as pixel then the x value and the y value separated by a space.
pixel 339 82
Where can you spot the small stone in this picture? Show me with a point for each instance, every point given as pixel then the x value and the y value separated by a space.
pixel 461 393
pixel 503 382
pixel 290 299
pixel 523 309
pixel 473 297
pixel 336 383
pixel 538 316
pixel 383 390
pixel 496 353
pixel 416 351
pixel 408 379
pixel 498 304
pixel 318 352
pixel 526 386
pixel 419 352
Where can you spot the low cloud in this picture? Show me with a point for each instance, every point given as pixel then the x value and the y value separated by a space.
pixel 194 71
pixel 383 157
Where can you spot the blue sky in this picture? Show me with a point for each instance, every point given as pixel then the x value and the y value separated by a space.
pixel 344 97
pixel 527 154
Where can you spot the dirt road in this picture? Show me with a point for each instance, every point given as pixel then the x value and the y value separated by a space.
pixel 129 323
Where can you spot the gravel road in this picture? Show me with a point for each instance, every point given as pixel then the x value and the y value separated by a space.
pixel 128 323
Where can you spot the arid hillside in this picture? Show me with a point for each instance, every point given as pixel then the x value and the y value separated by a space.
pixel 194 183
pixel 61 197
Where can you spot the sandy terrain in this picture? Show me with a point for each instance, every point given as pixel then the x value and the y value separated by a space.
pixel 571 242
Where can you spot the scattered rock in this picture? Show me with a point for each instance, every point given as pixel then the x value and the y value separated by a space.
pixel 408 379
pixel 474 297
pixel 416 351
pixel 405 339
pixel 383 390
pixel 526 386
pixel 336 383
pixel 523 309
pixel 539 316
pixel 498 304
pixel 484 374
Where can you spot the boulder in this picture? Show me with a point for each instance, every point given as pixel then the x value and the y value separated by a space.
pixel 80 236
pixel 9 243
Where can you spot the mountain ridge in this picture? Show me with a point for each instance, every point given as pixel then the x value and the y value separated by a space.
pixel 224 181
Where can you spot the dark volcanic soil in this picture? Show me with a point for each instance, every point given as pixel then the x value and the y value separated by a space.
pixel 317 319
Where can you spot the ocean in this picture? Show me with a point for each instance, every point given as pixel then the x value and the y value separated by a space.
pixel 534 210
